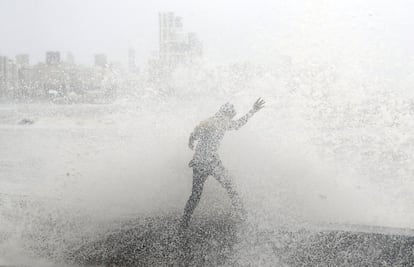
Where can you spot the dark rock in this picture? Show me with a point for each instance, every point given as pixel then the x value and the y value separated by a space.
pixel 26 121
pixel 223 240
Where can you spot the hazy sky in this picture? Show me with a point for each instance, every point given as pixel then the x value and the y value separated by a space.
pixel 231 30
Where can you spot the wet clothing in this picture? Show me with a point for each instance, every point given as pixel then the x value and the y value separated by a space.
pixel 206 161
pixel 200 174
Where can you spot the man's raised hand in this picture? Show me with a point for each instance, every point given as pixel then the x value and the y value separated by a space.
pixel 258 105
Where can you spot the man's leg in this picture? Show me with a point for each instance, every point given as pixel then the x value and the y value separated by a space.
pixel 198 182
pixel 223 177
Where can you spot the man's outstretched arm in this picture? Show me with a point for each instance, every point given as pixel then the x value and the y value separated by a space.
pixel 258 105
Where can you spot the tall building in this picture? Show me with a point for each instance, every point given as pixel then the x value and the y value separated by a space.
pixel 8 76
pixel 194 45
pixel 100 60
pixel 132 67
pixel 70 58
pixel 25 76
pixel 23 60
pixel 175 45
pixel 52 57
pixel 170 31
pixel 3 75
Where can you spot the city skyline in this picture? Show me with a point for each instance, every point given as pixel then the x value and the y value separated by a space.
pixel 58 76
pixel 232 31
pixel 175 45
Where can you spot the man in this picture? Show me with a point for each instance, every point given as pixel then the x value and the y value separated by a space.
pixel 206 160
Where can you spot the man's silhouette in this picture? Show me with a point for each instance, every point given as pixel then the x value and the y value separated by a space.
pixel 206 160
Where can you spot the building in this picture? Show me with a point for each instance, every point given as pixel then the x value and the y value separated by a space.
pixel 23 60
pixel 132 66
pixel 170 37
pixel 70 58
pixel 3 75
pixel 100 60
pixel 195 48
pixel 175 45
pixel 9 77
pixel 63 82
pixel 26 78
pixel 52 58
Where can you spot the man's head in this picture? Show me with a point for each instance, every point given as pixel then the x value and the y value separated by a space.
pixel 227 110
